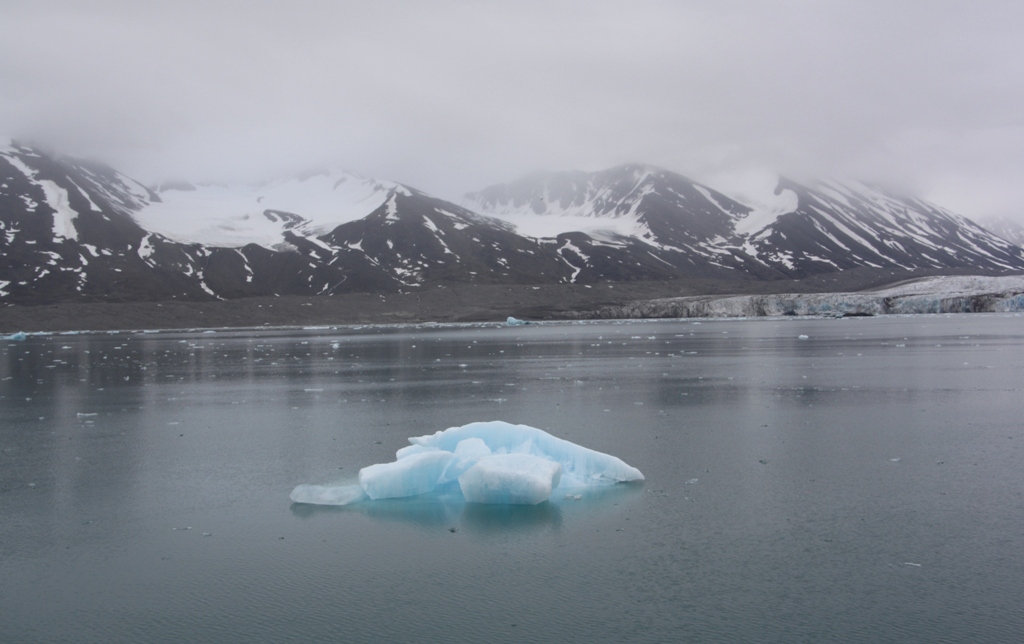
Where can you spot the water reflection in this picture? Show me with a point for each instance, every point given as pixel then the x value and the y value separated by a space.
pixel 484 519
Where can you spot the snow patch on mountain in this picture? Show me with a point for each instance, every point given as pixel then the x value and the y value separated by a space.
pixel 537 226
pixel 56 197
pixel 759 191
pixel 235 215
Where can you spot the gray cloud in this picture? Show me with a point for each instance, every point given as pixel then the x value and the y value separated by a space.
pixel 451 96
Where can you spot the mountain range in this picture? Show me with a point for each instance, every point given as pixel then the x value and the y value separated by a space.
pixel 80 231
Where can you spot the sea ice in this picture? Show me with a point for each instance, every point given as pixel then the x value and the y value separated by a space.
pixel 15 337
pixel 487 462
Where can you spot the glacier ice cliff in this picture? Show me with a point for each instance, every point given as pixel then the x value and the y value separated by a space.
pixel 486 462
pixel 956 294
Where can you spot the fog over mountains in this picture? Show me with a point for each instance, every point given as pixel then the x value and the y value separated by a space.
pixel 77 231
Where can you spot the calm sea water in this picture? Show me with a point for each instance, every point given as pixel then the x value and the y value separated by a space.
pixel 864 484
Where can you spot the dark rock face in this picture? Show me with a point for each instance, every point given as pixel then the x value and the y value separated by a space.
pixel 413 239
pixel 69 233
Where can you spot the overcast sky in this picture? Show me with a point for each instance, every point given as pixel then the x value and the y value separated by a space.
pixel 453 96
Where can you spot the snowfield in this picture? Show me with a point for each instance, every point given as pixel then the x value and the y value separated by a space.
pixel 236 215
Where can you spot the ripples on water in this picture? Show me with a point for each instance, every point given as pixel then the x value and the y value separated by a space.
pixel 863 484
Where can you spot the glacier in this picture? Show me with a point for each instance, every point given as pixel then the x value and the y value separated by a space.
pixel 942 294
pixel 490 462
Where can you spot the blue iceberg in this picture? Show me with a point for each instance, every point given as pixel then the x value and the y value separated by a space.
pixel 489 462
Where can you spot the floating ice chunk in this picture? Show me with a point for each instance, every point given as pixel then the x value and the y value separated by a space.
pixel 522 479
pixel 15 337
pixel 511 321
pixel 581 467
pixel 328 494
pixel 802 337
pixel 409 476
pixel 493 462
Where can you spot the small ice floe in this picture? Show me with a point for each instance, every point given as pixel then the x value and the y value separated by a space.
pixel 690 482
pixel 20 336
pixel 895 460
pixel 911 563
pixel 186 528
pixel 511 321
pixel 488 462
pixel 83 414
pixel 803 337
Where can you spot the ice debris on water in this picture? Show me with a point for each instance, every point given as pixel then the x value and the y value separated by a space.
pixel 486 462
pixel 803 337
pixel 20 336
pixel 511 321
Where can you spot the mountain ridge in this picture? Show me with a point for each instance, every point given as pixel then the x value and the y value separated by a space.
pixel 77 231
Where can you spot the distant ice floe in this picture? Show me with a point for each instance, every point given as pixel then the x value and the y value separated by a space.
pixel 20 336
pixel 487 462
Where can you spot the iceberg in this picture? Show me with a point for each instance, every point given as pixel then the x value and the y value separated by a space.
pixel 20 336
pixel 485 462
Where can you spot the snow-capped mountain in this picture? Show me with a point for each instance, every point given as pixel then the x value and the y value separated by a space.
pixel 67 229
pixel 418 239
pixel 841 225
pixel 71 230
pixel 797 231
pixel 1009 229
pixel 628 222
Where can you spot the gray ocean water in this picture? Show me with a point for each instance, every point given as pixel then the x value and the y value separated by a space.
pixel 862 484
